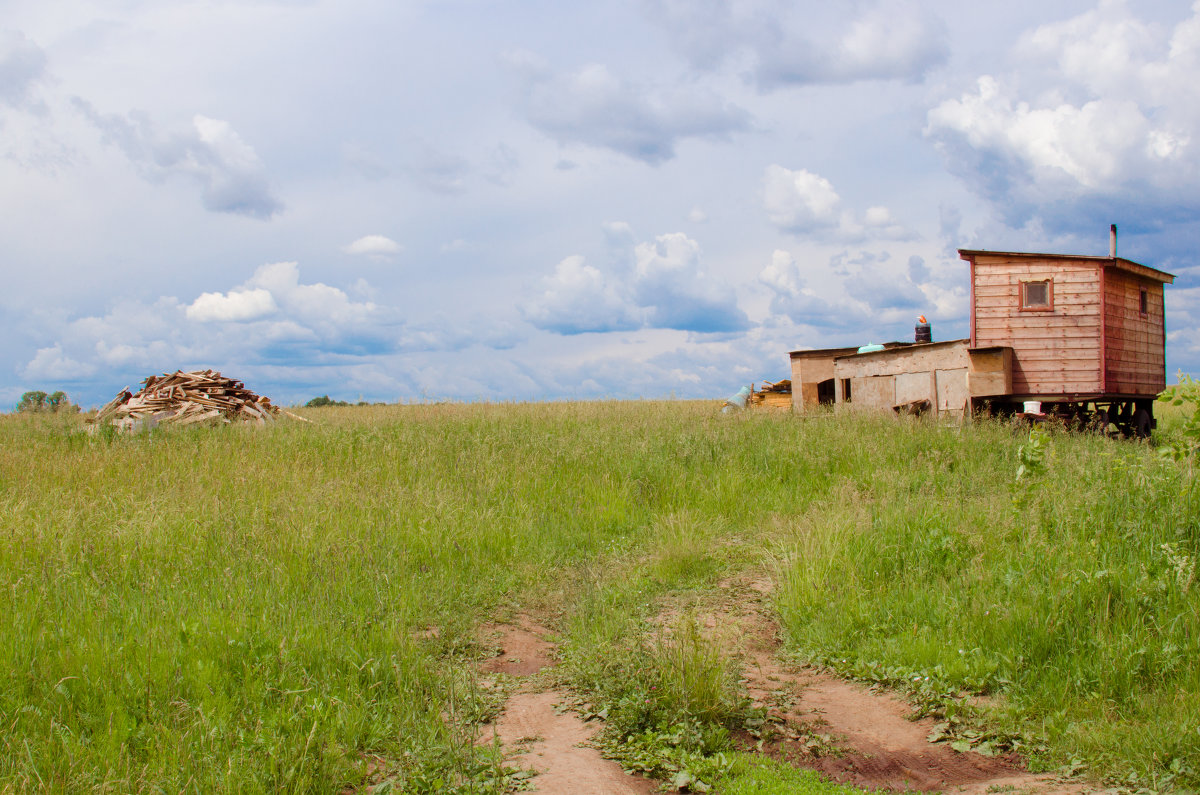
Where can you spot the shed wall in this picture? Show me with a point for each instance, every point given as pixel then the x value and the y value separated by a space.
pixel 1056 351
pixel 937 372
pixel 1134 343
pixel 809 369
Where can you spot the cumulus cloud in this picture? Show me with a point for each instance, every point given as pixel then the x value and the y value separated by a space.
pixel 655 284
pixel 594 107
pixel 22 67
pixel 887 41
pixel 316 305
pixel 273 321
pixel 670 283
pixel 1099 120
pixel 793 298
pixel 802 202
pixel 235 306
pixel 789 44
pixel 1183 335
pixel 855 293
pixel 374 246
pixel 231 176
pixel 53 365
pixel 578 298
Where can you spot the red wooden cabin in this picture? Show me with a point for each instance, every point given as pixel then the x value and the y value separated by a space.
pixel 1087 333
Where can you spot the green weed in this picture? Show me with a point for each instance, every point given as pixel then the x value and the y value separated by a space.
pixel 238 609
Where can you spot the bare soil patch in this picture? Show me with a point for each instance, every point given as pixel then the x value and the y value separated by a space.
pixel 535 732
pixel 841 729
pixel 849 733
pixel 523 648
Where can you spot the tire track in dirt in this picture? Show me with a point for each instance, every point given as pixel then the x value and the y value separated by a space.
pixel 533 733
pixel 847 732
pixel 839 728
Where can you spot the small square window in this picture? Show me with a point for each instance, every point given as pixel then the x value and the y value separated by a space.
pixel 1037 295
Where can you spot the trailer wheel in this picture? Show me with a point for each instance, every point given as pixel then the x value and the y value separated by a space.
pixel 1141 424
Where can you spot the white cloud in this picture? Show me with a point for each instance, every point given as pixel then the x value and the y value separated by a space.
pixel 52 364
pixel 595 107
pixel 232 177
pixel 852 294
pixel 782 274
pixel 236 306
pixel 1095 144
pixel 1183 334
pixel 577 299
pixel 374 246
pixel 658 284
pixel 791 297
pixel 1098 119
pixel 273 320
pixel 799 200
pixel 887 41
pixel 22 67
pixel 785 44
pixel 802 202
pixel 315 304
pixel 671 284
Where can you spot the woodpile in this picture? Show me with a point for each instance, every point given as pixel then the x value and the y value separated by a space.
pixel 181 398
pixel 777 395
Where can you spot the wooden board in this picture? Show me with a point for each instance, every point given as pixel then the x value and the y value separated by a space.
pixel 875 392
pixel 911 387
pixel 952 391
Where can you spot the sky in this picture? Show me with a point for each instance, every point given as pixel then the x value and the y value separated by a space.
pixel 413 200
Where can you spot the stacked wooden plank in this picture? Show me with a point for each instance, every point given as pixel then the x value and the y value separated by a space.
pixel 777 395
pixel 181 398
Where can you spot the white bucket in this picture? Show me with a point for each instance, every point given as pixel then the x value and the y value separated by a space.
pixel 1033 407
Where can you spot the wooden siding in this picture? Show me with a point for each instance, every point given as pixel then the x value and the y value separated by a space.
pixel 947 374
pixel 1056 351
pixel 809 369
pixel 1133 343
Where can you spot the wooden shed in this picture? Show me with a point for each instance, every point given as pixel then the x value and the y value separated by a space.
pixel 1081 328
pixel 938 378
pixel 1083 335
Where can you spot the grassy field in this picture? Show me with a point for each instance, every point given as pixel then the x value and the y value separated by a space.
pixel 241 609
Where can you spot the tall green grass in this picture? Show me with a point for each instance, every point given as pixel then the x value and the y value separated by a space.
pixel 1070 596
pixel 240 609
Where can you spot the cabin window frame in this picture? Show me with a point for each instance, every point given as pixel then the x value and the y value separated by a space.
pixel 1144 302
pixel 1026 306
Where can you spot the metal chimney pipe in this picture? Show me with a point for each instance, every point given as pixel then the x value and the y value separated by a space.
pixel 1112 241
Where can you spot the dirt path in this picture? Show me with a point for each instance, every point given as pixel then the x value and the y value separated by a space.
pixel 847 732
pixel 534 734
pixel 841 729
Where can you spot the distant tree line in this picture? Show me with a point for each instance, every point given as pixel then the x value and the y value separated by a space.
pixel 325 400
pixel 37 401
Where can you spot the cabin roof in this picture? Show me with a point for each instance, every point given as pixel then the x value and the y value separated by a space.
pixel 826 353
pixel 1119 263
